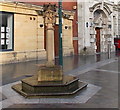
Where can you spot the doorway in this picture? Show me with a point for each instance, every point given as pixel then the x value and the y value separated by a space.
pixel 98 39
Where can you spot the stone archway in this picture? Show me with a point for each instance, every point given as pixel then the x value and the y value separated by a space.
pixel 100 21
pixel 101 25
pixel 100 18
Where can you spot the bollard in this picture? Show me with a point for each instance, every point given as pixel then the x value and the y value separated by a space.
pixel 109 50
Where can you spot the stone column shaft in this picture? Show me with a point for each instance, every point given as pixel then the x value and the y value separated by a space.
pixel 50 45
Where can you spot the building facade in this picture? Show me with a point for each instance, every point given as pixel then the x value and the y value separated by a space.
pixel 69 6
pixel 99 22
pixel 119 19
pixel 23 32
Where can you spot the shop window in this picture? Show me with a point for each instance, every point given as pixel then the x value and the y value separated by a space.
pixel 6 31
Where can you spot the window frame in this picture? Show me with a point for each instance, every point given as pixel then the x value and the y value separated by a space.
pixel 4 50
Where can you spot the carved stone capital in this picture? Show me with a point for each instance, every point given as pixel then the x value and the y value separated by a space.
pixel 49 14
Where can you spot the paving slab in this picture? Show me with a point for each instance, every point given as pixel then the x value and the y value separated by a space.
pixel 111 66
pixel 15 98
pixel 102 91
pixel 2 97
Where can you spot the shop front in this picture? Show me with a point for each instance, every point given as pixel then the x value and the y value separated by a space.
pixel 22 33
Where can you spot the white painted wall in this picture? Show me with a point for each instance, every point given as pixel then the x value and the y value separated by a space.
pixel 84 16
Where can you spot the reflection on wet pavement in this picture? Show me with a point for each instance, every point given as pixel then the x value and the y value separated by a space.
pixel 17 71
pixel 104 76
pixel 113 67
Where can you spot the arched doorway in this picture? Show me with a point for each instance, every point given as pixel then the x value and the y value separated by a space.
pixel 100 25
pixel 98 40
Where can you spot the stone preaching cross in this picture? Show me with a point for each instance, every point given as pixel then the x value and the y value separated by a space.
pixel 50 80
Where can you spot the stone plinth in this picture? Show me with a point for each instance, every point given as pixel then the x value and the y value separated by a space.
pixel 31 88
pixel 30 85
pixel 50 73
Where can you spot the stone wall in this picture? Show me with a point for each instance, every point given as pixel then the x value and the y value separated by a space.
pixel 119 19
pixel 29 36
pixel 67 37
pixel 94 14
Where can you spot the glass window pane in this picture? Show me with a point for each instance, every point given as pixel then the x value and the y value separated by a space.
pixel 6 31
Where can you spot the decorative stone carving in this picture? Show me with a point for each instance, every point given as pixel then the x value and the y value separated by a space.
pixel 49 21
pixel 49 14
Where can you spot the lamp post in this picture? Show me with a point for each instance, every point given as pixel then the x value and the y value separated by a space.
pixel 60 33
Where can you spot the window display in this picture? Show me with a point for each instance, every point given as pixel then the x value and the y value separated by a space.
pixel 2 29
pixel 2 35
pixel 6 35
pixel 2 42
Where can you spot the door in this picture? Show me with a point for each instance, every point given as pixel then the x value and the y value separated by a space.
pixel 98 39
pixel 75 45
pixel 56 40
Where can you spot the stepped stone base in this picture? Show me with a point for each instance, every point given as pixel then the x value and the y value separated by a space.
pixel 31 87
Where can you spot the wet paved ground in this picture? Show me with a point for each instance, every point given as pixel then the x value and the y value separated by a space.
pixel 15 72
pixel 104 76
